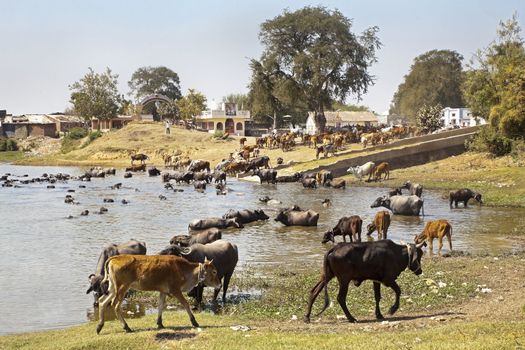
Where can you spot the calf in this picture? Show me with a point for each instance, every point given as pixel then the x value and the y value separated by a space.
pixel 379 261
pixel 435 229
pixel 381 223
pixel 414 189
pixel 246 216
pixel 350 226
pixel 463 195
pixel 382 168
pixel 168 275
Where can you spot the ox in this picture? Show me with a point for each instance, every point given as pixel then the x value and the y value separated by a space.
pixel 168 275
pixel 350 226
pixel 133 247
pixel 259 162
pixel 463 195
pixel 414 189
pixel 246 216
pixel 292 217
pixel 203 237
pixel 198 165
pixel 309 183
pixel 139 156
pixel 379 261
pixel 268 175
pixel 435 229
pixel 381 223
pixel 202 224
pixel 401 205
pixel 336 183
pixel 363 170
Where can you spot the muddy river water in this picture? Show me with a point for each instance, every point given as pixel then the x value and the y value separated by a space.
pixel 46 258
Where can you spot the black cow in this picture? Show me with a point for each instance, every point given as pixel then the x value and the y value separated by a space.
pixel 379 261
pixel 219 176
pixel 259 162
pixel 198 165
pixel 464 195
pixel 268 175
pixel 246 216
pixel 139 156
pixel 289 178
pixel 350 226
pixel 153 171
pixel 309 183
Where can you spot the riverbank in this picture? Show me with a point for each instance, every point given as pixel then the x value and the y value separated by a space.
pixel 459 302
pixel 500 180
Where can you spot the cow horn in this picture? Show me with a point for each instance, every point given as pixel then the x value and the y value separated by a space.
pixel 422 244
pixel 185 251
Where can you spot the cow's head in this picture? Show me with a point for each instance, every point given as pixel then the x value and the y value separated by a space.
pixel 406 185
pixel 97 287
pixel 175 250
pixel 261 215
pixel 281 216
pixel 351 170
pixel 381 202
pixel 477 197
pixel 370 228
pixel 328 236
pixel 181 240
pixel 414 257
pixel 208 274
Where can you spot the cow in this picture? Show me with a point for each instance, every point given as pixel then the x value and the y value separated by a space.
pixel 198 165
pixel 382 168
pixel 139 156
pixel 350 226
pixel 199 185
pixel 395 192
pixel 246 216
pixel 435 229
pixel 401 205
pixel 289 178
pixel 153 171
pixel 363 170
pixel 323 176
pixel 141 167
pixel 257 163
pixel 168 275
pixel 202 237
pixel 380 261
pixel 242 140
pixel 268 175
pixel 202 176
pixel 336 183
pixel 224 256
pixel 464 195
pixel 325 150
pixel 219 176
pixel 235 167
pixel 297 217
pixel 309 183
pixel 132 247
pixel 414 189
pixel 381 223
pixel 202 224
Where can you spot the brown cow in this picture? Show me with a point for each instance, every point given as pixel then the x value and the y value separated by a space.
pixel 242 140
pixel 350 226
pixel 382 168
pixel 381 223
pixel 435 229
pixel 169 275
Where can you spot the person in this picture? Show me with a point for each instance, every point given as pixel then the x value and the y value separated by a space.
pixel 167 127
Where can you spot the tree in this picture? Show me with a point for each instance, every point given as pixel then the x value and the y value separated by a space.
pixel 96 95
pixel 241 100
pixel 434 77
pixel 191 105
pixel 313 54
pixel 155 80
pixel 495 84
pixel 428 118
pixel 349 108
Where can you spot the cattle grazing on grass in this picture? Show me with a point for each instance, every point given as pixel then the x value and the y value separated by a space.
pixel 169 275
pixel 382 168
pixel 363 170
pixel 347 226
pixel 381 223
pixel 379 261
pixel 435 229
pixel 140 157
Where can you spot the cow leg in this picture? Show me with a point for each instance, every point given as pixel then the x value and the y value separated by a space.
pixel 103 303
pixel 341 299
pixel 162 304
pixel 117 302
pixel 465 203
pixel 226 283
pixel 377 296
pixel 449 242
pixel 178 294
pixel 397 290
pixel 440 245
pixel 344 238
pixel 430 246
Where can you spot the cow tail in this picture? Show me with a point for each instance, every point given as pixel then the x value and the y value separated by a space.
pixel 423 208
pixel 325 278
pixel 106 275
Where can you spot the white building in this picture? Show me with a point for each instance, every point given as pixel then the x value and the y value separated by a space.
pixel 461 117
pixel 227 119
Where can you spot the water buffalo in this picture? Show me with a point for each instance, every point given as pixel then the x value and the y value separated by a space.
pixel 464 195
pixel 219 176
pixel 363 170
pixel 350 226
pixel 202 224
pixel 202 176
pixel 297 217
pixel 202 237
pixel 223 254
pixel 289 178
pixel 323 177
pixel 198 165
pixel 336 183
pixel 133 247
pixel 246 216
pixel 402 205
pixel 258 162
pixel 395 192
pixel 139 156
pixel 153 171
pixel 414 189
pixel 309 183
pixel 379 261
pixel 199 185
pixel 268 175
pixel 141 167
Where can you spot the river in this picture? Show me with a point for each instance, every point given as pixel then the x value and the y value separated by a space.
pixel 46 258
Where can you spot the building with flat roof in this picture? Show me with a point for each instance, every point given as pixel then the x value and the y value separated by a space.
pixel 462 117
pixel 227 119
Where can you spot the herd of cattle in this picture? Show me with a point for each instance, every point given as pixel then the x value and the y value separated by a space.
pixel 203 258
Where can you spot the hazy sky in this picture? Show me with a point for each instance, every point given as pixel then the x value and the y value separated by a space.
pixel 47 45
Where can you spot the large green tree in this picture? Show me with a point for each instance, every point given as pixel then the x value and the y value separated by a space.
pixel 495 84
pixel 312 56
pixel 96 95
pixel 241 100
pixel 434 78
pixel 155 80
pixel 428 118
pixel 191 105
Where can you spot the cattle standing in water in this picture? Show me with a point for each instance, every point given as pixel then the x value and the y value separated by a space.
pixel 153 171
pixel 292 217
pixel 219 176
pixel 198 165
pixel 259 162
pixel 401 205
pixel 363 170
pixel 289 178
pixel 381 223
pixel 139 156
pixel 350 226
pixel 268 175
pixel 395 192
pixel 224 255
pixel 135 168
pixel 309 183
pixel 246 216
pixel 323 177
pixel 168 275
pixel 133 247
pixel 203 237
pixel 336 183
pixel 200 185
pixel 379 261
pixel 464 195
pixel 435 229
pixel 217 222
pixel 414 189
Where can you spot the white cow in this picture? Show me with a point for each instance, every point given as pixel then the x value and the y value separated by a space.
pixel 363 170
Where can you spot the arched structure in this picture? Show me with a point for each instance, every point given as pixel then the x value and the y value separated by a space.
pixel 154 98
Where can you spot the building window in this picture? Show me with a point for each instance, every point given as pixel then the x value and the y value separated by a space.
pixel 210 125
pixel 238 126
pixel 453 114
pixel 219 126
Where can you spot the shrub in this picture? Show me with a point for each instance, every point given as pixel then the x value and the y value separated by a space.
pixel 489 140
pixel 11 145
pixel 77 133
pixel 94 135
pixel 3 146
pixel 218 134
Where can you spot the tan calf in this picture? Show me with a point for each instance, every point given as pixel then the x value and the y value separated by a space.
pixel 381 223
pixel 383 168
pixel 435 229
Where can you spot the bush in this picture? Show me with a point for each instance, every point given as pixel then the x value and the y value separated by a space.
pixel 8 145
pixel 3 146
pixel 77 133
pixel 489 140
pixel 94 135
pixel 218 134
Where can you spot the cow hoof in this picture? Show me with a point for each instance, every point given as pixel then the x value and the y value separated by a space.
pixel 127 329
pixel 379 317
pixel 195 324
pixel 392 310
pixel 160 326
pixel 352 320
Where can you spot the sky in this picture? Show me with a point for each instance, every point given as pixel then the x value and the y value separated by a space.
pixel 47 45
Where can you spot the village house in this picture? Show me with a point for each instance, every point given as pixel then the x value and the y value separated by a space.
pixel 114 123
pixel 27 125
pixel 460 117
pixel 227 119
pixel 338 119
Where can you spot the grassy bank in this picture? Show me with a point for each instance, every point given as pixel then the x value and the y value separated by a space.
pixel 11 156
pixel 444 308
pixel 500 180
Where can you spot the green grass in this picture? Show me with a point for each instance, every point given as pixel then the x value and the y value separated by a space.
pixel 11 156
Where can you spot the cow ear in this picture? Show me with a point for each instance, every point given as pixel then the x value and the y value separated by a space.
pixel 91 276
pixel 90 289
